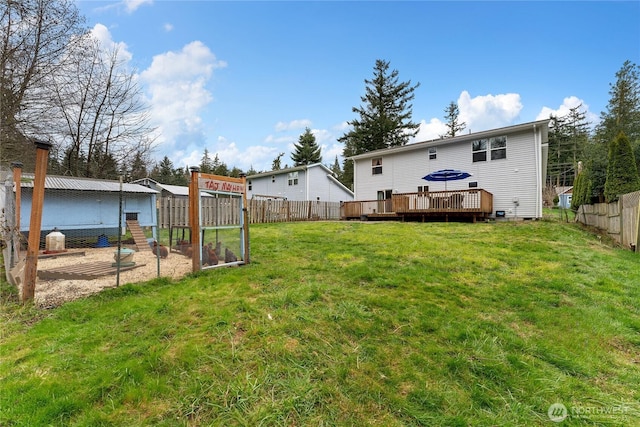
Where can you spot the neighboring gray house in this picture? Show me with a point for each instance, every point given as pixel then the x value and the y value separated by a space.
pixel 508 162
pixel 313 182
pixel 84 207
pixel 165 190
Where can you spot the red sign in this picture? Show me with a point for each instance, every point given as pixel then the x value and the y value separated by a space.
pixel 218 185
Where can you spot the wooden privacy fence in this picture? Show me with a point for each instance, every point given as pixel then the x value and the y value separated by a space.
pixel 619 219
pixel 174 212
pixel 277 210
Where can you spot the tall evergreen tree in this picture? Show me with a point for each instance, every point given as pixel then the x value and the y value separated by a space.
pixel 138 169
pixel 622 115
pixel 306 150
pixel 335 168
pixel 219 167
pixel 568 136
pixel 235 172
pixel 581 190
pixel 622 172
pixel 164 172
pixel 276 165
pixel 384 118
pixel 206 164
pixel 452 117
pixel 623 109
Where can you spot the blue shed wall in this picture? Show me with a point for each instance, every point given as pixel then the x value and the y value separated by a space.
pixel 88 210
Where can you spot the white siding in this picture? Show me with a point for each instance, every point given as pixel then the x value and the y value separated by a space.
pixel 278 186
pixel 313 183
pixel 517 176
pixel 325 189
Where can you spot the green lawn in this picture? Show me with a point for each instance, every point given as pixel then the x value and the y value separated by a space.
pixel 347 323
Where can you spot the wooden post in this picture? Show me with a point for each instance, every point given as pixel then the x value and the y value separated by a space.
pixel 37 202
pixel 194 217
pixel 637 242
pixel 620 219
pixel 245 219
pixel 17 178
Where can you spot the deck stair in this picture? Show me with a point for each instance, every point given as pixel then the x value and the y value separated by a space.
pixel 138 235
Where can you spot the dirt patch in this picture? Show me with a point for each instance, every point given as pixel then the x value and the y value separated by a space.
pixel 51 293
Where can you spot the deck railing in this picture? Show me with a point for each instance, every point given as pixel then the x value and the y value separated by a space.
pixel 473 201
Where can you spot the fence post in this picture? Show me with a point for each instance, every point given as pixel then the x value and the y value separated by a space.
pixel 637 242
pixel 194 217
pixel 37 201
pixel 245 219
pixel 621 219
pixel 17 177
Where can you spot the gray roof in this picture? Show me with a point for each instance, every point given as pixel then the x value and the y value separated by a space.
pixel 176 190
pixel 53 182
pixel 287 170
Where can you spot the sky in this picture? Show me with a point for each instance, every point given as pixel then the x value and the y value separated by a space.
pixel 243 79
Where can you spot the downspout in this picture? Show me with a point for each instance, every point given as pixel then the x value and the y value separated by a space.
pixel 537 149
pixel 355 196
pixel 306 178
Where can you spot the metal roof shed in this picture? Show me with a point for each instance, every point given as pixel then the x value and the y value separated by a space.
pixel 88 207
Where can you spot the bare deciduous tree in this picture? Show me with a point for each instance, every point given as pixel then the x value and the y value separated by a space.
pixel 34 35
pixel 98 111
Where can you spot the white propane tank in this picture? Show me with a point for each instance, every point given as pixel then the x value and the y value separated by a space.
pixel 54 242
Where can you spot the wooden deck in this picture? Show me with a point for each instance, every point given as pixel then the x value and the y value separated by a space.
pixel 473 204
pixel 84 271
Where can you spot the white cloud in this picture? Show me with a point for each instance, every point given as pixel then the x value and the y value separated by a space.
pixel 280 140
pixel 322 136
pixel 488 111
pixel 292 125
pixel 168 27
pixel 259 157
pixel 431 130
pixel 133 5
pixel 329 153
pixel 177 85
pixel 102 34
pixel 479 113
pixel 567 104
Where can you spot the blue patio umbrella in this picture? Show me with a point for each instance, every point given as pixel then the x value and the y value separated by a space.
pixel 446 175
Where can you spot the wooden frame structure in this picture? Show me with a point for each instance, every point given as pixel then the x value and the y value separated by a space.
pixel 221 185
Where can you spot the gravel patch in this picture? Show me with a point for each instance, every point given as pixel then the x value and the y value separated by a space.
pixel 52 293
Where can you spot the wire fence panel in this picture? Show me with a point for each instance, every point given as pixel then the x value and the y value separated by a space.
pixel 95 234
pixel 99 234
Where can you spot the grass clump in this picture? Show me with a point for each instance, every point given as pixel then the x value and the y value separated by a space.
pixel 347 323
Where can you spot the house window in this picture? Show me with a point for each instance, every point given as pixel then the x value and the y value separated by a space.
pixel 376 166
pixel 498 147
pixel 293 178
pixel 273 178
pixel 432 153
pixel 249 185
pixel 423 188
pixel 479 150
pixel 473 184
